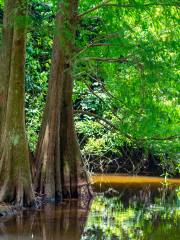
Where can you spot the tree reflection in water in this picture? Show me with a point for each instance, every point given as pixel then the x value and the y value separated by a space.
pixel 149 212
pixel 65 222
pixel 136 213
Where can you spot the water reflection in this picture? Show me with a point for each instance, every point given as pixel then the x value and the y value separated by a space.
pixel 123 212
pixel 148 212
pixel 65 222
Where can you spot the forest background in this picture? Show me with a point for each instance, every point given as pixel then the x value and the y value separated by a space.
pixel 126 83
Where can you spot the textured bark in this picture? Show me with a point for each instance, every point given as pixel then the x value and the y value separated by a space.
pixel 74 179
pixel 15 177
pixel 59 173
pixel 48 146
pixel 5 57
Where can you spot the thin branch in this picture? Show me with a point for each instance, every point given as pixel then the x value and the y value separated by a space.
pixel 155 138
pixel 176 4
pixel 116 60
pixel 94 9
pixel 92 45
pixel 109 94
pixel 117 129
pixel 103 45
pixel 107 4
pixel 96 40
pixel 96 95
pixel 101 59
pixel 96 116
pixel 165 138
pixel 102 119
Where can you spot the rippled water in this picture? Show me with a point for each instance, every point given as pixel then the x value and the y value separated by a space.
pixel 128 211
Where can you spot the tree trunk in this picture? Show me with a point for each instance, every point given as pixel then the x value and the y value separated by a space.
pixel 74 179
pixel 5 58
pixel 15 177
pixel 59 173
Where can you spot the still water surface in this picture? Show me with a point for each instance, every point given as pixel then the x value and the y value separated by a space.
pixel 129 210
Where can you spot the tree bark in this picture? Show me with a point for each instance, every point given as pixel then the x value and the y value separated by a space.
pixel 15 177
pixel 59 173
pixel 5 57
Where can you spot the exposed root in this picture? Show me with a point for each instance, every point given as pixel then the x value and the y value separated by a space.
pixel 7 210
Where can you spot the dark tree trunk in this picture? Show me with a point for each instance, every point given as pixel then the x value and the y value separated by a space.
pixel 15 177
pixel 59 171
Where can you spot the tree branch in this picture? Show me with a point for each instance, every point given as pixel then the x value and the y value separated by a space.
pixel 102 45
pixel 109 94
pixel 96 95
pixel 107 4
pixel 165 138
pixel 101 59
pixel 97 117
pixel 176 4
pixel 94 8
pixel 117 129
pixel 102 119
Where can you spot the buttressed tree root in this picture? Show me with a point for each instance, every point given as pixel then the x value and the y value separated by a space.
pixel 59 171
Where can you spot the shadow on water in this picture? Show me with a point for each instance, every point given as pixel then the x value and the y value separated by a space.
pixel 118 211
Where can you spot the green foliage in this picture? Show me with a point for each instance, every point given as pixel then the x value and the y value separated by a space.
pixel 138 96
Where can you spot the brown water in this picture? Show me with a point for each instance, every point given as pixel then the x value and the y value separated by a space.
pixel 123 179
pixel 120 210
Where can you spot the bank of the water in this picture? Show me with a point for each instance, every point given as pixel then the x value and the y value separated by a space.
pixel 123 179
